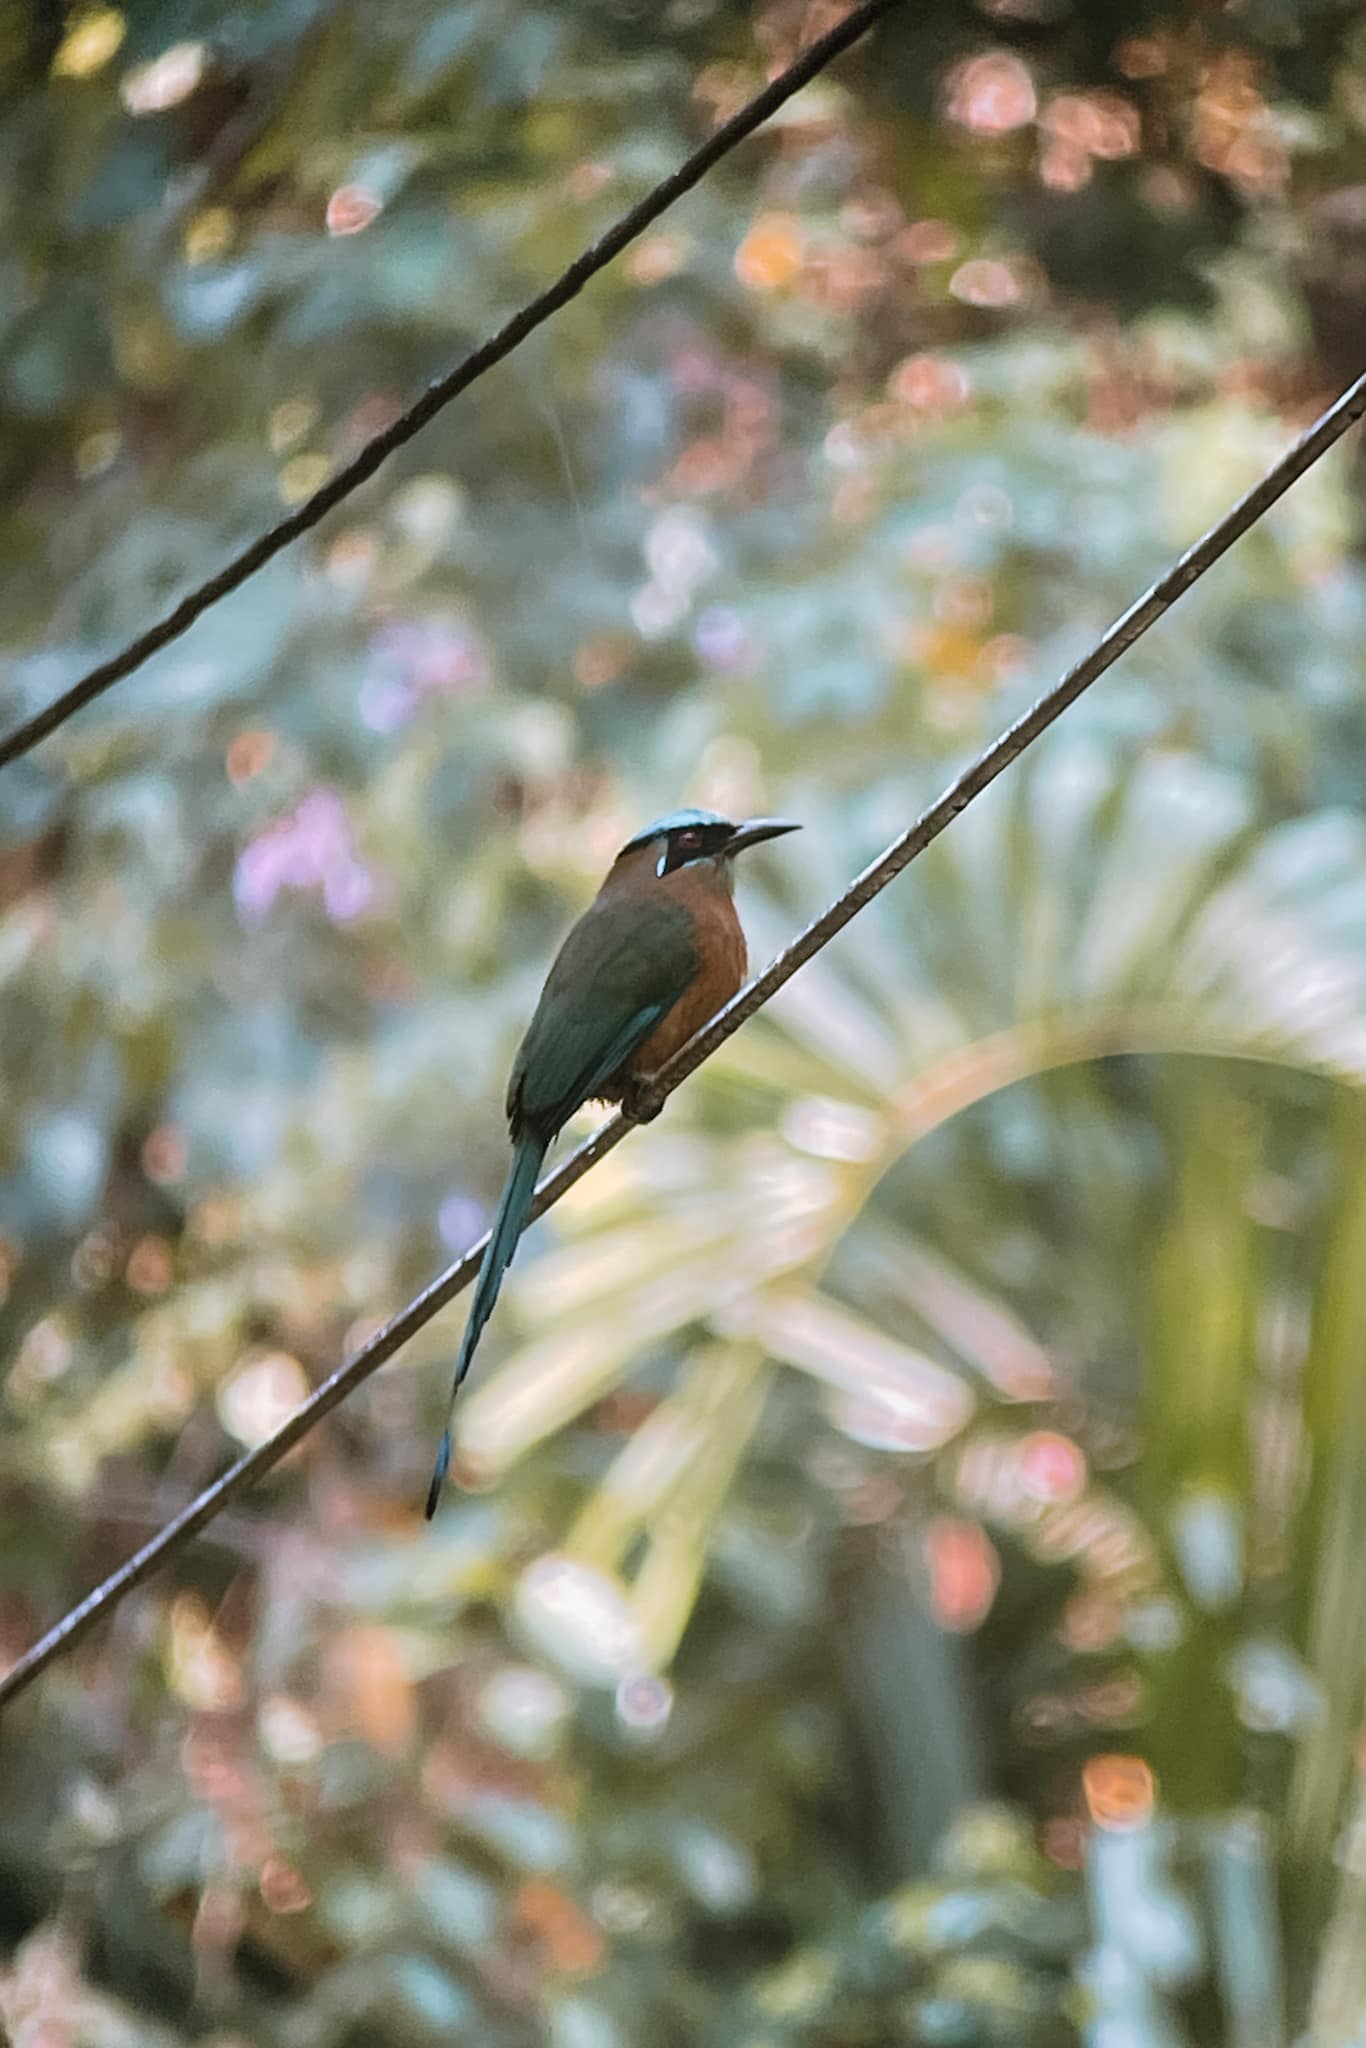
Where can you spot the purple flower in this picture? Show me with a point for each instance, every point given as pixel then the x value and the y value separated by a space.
pixel 311 848
pixel 722 639
pixel 413 659
pixel 385 704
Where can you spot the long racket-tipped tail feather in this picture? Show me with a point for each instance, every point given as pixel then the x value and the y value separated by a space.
pixel 443 1466
pixel 507 1228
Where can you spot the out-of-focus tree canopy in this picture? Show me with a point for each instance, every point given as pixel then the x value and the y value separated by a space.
pixel 906 1583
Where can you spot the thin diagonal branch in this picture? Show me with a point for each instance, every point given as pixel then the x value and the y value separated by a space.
pixel 1326 430
pixel 438 395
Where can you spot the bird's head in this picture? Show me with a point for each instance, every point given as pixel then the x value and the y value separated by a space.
pixel 698 840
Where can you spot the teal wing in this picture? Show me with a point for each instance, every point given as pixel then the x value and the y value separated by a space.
pixel 619 973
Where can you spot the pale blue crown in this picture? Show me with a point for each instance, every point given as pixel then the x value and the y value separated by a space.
pixel 676 821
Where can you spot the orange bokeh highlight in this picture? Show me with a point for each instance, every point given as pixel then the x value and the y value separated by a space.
pixel 770 256
pixel 351 209
pixel 965 1572
pixel 1121 1792
pixel 930 383
pixel 928 241
pixel 1233 130
pixel 282 1889
pixel 150 1269
pixel 1142 57
pixel 248 754
pixel 573 1943
pixel 1103 124
pixel 985 281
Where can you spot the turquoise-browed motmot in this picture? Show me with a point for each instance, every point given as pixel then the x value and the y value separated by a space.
pixel 658 952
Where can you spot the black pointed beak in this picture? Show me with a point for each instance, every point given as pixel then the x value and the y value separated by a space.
pixel 755 832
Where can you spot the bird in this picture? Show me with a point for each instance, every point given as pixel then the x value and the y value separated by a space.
pixel 657 953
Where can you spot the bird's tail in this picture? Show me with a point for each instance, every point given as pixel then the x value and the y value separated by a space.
pixel 507 1228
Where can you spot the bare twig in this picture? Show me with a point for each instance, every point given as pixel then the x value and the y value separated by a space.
pixel 982 771
pixel 26 735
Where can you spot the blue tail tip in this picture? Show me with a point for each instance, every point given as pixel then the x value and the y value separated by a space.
pixel 443 1466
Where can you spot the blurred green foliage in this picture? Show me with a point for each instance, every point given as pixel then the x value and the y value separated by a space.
pixel 906 1586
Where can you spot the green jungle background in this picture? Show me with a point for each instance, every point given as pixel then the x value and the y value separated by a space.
pixel 907 1582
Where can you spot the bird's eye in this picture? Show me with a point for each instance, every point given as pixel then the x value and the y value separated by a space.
pixel 689 840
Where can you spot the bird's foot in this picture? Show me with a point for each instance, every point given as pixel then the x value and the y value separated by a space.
pixel 641 1101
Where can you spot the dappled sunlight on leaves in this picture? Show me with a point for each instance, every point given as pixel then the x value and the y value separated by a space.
pixel 165 81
